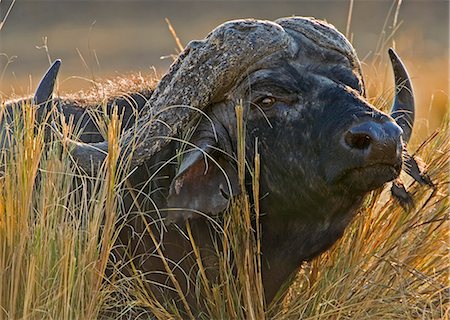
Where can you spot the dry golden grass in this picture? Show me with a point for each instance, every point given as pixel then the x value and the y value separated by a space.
pixel 55 240
pixel 54 236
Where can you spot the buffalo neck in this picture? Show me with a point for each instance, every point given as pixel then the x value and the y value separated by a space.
pixel 288 238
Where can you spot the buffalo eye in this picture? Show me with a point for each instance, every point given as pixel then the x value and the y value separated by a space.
pixel 266 102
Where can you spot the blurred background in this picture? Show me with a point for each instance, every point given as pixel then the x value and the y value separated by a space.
pixel 103 39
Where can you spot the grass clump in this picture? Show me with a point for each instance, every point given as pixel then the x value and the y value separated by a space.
pixel 58 227
pixel 54 235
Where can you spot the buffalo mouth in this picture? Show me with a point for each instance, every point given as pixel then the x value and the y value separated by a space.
pixel 369 177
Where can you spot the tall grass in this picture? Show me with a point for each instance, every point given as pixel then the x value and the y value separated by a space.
pixel 392 263
pixel 56 238
pixel 58 227
pixel 235 291
pixel 54 235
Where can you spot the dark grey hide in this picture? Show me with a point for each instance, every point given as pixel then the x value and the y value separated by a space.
pixel 323 146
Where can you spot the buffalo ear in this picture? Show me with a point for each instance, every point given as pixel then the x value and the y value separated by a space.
pixel 205 182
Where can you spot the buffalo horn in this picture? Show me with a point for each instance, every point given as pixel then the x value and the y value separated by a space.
pixel 44 91
pixel 403 110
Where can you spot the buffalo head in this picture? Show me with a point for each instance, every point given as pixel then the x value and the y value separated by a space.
pixel 323 146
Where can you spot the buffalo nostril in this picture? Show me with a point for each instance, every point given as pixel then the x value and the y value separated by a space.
pixel 374 142
pixel 358 140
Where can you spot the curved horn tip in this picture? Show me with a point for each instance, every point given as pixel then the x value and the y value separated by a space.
pixel 392 53
pixel 400 72
pixel 403 109
pixel 56 62
pixel 44 91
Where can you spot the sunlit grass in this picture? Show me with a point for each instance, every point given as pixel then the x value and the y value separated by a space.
pixel 54 235
pixel 55 241
pixel 58 227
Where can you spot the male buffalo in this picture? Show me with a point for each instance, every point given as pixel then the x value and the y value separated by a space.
pixel 323 146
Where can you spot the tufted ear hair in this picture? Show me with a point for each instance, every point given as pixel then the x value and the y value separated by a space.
pixel 206 181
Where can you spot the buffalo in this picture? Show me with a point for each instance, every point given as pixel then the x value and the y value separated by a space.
pixel 323 146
